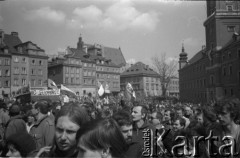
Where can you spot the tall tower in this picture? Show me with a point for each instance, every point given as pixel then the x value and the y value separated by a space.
pixel 183 57
pixel 223 19
pixel 80 43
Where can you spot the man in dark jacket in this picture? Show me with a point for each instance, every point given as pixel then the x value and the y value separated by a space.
pixel 124 120
pixel 16 124
pixel 43 130
pixel 143 131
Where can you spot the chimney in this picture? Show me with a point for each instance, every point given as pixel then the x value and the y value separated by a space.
pixel 14 34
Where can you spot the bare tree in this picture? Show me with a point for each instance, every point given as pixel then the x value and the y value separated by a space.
pixel 165 69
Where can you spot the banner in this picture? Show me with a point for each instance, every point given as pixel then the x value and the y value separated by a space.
pixel 45 92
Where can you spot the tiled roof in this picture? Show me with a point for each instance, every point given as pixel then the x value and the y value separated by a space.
pixel 139 69
pixel 11 41
pixel 78 53
pixel 115 55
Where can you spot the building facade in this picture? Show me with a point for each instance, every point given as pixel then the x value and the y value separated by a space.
pixel 209 74
pixel 143 79
pixel 21 63
pixel 173 87
pixel 81 69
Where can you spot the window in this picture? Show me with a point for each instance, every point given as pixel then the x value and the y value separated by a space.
pixel 40 82
pixel 15 59
pixel 40 62
pixel 23 82
pixel 0 72
pixel 72 80
pixel 238 54
pixel 7 83
pixel 66 80
pixel 24 60
pixel 77 81
pixel 229 54
pixel 223 57
pixel 0 62
pixel 33 62
pixel 32 72
pixel 224 71
pixel 7 62
pixel 231 92
pixel 15 82
pixel 0 84
pixel 40 72
pixel 7 73
pixel 77 70
pixel 67 70
pixel 229 8
pixel 16 70
pixel 24 71
pixel 231 28
pixel 230 69
pixel 212 79
pixel 33 83
pixel 225 92
pixel 20 49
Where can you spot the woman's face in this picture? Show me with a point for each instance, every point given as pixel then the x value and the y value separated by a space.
pixel 12 152
pixel 65 133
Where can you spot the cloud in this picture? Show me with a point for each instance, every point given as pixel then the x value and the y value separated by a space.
pixel 171 59
pixel 46 13
pixel 119 16
pixel 193 42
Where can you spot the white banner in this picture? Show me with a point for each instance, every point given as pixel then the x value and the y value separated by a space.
pixel 45 92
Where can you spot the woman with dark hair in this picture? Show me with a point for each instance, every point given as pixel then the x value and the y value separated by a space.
pixel 68 121
pixel 101 139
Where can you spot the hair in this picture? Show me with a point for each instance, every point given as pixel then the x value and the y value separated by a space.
pixel 102 134
pixel 75 113
pixel 144 110
pixel 181 121
pixel 44 106
pixel 232 105
pixel 123 118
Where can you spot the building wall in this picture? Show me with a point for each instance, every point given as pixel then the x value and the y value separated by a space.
pixel 110 76
pixel 19 73
pixel 173 87
pixel 38 71
pixel 89 84
pixel 5 79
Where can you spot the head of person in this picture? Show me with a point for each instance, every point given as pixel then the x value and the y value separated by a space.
pixel 178 124
pixel 139 112
pixel 156 119
pixel 199 118
pixel 227 110
pixel 68 121
pixel 14 110
pixel 124 121
pixel 179 112
pixel 167 115
pixel 101 139
pixel 188 111
pixel 20 145
pixel 42 107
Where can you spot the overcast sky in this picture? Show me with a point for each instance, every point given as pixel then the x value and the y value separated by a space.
pixel 142 28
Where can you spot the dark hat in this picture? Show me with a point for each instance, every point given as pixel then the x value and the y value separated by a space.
pixel 23 142
pixel 14 109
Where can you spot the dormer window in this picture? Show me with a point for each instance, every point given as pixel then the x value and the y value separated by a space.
pixel 229 8
pixel 20 49
pixel 102 62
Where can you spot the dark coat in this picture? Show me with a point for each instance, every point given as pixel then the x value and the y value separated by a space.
pixel 15 125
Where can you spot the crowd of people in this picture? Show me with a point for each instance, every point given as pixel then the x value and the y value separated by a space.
pixel 119 129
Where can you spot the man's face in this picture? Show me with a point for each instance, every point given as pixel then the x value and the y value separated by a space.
pixel 188 111
pixel 177 126
pixel 127 132
pixel 167 115
pixel 136 113
pixel 179 113
pixel 199 118
pixel 65 133
pixel 224 117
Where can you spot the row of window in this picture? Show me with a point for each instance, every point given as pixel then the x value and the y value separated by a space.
pixel 89 65
pixel 4 61
pixel 152 86
pixel 224 70
pixel 89 72
pixel 151 79
pixel 5 73
pixel 17 71
pixel 73 61
pixel 72 70
pixel 116 70
pixel 72 80
pixel 5 83
pixel 19 59
pixel 108 76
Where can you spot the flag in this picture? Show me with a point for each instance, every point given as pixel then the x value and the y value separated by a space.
pixel 52 84
pixel 101 91
pixel 66 91
pixel 107 88
pixel 130 92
